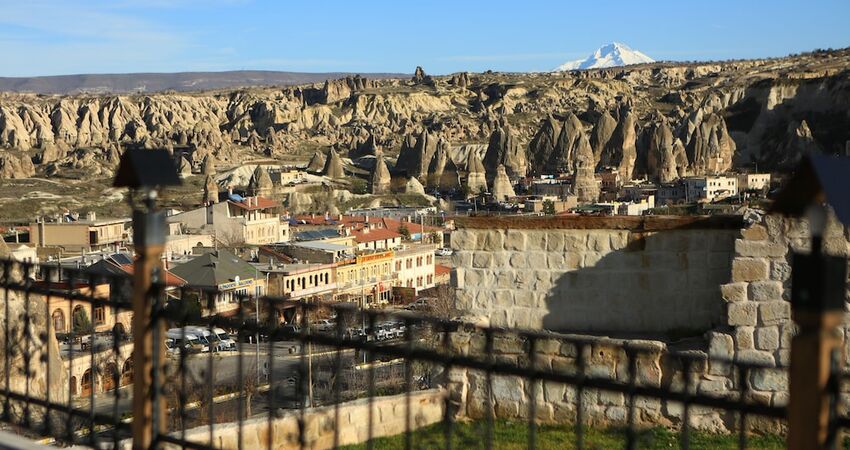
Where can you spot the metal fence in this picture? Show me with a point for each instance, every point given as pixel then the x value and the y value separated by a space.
pixel 68 370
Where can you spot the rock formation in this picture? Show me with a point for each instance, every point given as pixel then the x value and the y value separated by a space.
pixel 505 150
pixel 333 166
pixel 450 177
pixel 601 134
pixel 184 167
pixel 419 77
pixel 210 190
pixel 709 146
pixel 379 181
pixel 476 178
pixel 413 186
pixel 414 159
pixel 543 143
pixel 564 154
pixel 798 142
pixel 317 163
pixel 666 157
pixel 208 165
pixel 261 183
pixel 460 80
pixel 438 165
pixel 15 166
pixel 621 150
pixel 502 188
pixel 585 186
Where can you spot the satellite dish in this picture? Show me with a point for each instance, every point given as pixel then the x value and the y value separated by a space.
pixel 236 279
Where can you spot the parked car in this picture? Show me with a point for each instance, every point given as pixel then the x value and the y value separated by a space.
pixel 290 331
pixel 422 304
pixel 186 339
pixel 325 325
pixel 444 251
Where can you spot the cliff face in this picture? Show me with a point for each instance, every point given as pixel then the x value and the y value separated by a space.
pixel 724 114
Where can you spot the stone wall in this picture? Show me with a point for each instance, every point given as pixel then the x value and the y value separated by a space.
pixel 741 304
pixel 388 414
pixel 617 276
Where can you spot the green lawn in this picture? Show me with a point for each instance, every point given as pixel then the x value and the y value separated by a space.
pixel 514 435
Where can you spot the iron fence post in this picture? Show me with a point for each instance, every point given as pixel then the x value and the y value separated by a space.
pixel 148 407
pixel 817 302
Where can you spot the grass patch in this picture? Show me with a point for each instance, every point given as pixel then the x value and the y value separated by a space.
pixel 514 435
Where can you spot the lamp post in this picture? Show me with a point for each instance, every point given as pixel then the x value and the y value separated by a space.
pixel 145 171
pixel 818 289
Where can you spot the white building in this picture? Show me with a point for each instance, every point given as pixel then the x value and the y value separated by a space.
pixel 753 181
pixel 414 266
pixel 710 188
pixel 252 221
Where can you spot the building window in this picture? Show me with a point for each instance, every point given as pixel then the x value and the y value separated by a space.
pixel 397 266
pixel 429 259
pixel 418 281
pixel 430 279
pixel 58 321
pixel 99 315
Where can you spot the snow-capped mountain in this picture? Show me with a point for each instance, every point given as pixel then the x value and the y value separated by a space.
pixel 611 55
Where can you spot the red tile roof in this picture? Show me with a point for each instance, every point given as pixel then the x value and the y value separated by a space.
pixel 440 269
pixel 378 234
pixel 261 203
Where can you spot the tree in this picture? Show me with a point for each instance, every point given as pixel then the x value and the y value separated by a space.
pixel 404 232
pixel 81 322
pixel 548 207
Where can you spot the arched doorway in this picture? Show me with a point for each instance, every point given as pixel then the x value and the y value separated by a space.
pixel 86 384
pixel 110 378
pixel 127 372
pixel 58 321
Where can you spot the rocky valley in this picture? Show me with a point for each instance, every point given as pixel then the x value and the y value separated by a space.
pixel 405 137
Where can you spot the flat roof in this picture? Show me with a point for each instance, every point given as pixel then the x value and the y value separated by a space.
pixel 321 245
pixel 634 223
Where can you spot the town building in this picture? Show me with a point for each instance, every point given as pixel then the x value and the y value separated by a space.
pixel 301 281
pixel 366 279
pixel 225 273
pixel 318 251
pixel 671 193
pixel 710 188
pixel 82 235
pixel 414 266
pixel 238 220
pixel 551 187
pixel 753 181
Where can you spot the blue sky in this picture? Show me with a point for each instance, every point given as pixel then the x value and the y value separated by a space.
pixel 41 37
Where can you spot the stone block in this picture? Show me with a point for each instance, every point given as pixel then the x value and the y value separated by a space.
pixel 749 269
pixel 780 270
pixel 575 241
pixel 771 380
pixel 760 357
pixel 515 240
pixel 591 259
pixel 741 314
pixel 744 338
pixel 774 313
pixel 555 261
pixel 462 258
pixel 760 249
pixel 490 240
pixel 555 242
pixel 765 291
pixel 599 241
pixel 734 292
pixel 482 260
pixel 500 259
pixel 619 240
pixel 572 261
pixel 518 260
pixel 767 338
pixel 536 260
pixel 787 331
pixel 616 414
pixel 754 233
pixel 464 240
pixel 721 345
pixel 537 240
pixel 525 299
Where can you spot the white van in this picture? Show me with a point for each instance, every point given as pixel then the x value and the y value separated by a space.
pixel 227 342
pixel 188 340
pixel 206 336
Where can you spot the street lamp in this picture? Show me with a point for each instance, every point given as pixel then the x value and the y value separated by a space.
pixel 818 290
pixel 145 171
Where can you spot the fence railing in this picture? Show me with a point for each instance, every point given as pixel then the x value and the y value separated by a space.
pixel 279 373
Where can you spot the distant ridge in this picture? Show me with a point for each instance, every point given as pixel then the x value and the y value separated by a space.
pixel 158 82
pixel 612 55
